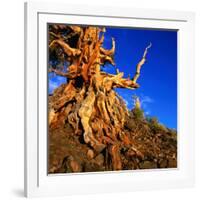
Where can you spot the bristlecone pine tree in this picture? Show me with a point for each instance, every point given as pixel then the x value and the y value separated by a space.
pixel 88 101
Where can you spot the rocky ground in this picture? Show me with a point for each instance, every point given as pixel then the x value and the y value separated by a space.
pixel 152 146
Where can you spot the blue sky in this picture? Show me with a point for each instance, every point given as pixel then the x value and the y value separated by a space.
pixel 158 80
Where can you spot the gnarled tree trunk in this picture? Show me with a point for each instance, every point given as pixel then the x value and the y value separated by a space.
pixel 88 101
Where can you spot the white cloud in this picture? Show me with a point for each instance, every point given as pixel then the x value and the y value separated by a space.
pixel 147 112
pixel 126 102
pixel 145 101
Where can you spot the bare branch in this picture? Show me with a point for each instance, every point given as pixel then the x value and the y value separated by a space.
pixel 66 48
pixel 60 73
pixel 75 29
pixel 55 35
pixel 118 81
pixel 139 65
pixel 109 52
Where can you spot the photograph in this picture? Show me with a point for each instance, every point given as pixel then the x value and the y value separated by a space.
pixel 112 98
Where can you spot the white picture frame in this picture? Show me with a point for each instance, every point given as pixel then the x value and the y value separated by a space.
pixel 37 180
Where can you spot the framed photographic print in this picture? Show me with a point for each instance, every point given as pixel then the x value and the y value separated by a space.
pixel 109 98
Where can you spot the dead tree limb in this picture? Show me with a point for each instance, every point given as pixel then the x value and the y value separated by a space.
pixel 66 48
pixel 139 65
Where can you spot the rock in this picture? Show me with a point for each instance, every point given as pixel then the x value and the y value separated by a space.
pixel 93 167
pixel 130 124
pixel 161 155
pixel 174 156
pixel 99 160
pixel 130 153
pixel 148 165
pixel 163 163
pixel 74 165
pixel 172 163
pixel 90 154
pixel 53 169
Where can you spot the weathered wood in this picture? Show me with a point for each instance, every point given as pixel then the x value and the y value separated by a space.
pixel 140 64
pixel 88 102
